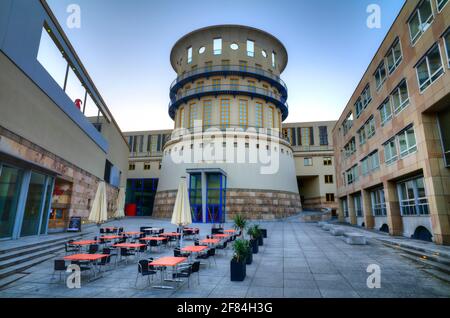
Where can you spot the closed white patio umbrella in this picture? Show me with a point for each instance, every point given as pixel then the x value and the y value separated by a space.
pixel 99 213
pixel 120 205
pixel 181 215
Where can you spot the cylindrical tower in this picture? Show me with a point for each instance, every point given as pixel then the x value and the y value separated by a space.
pixel 229 98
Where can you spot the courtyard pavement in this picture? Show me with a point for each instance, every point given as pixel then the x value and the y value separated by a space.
pixel 297 260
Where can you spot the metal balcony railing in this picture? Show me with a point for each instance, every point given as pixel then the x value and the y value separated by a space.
pixel 229 89
pixel 228 70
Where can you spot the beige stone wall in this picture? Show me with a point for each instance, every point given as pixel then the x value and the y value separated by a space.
pixel 422 112
pixel 253 204
pixel 84 184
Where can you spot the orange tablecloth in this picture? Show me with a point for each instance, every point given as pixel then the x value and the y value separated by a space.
pixel 85 242
pixel 129 245
pixel 168 261
pixel 110 237
pixel 210 241
pixel 221 235
pixel 194 249
pixel 230 231
pixel 170 234
pixel 132 233
pixel 85 257
pixel 152 238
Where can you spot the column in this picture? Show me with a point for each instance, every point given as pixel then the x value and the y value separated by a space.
pixel 394 216
pixel 351 210
pixel 340 211
pixel 204 197
pixel 369 219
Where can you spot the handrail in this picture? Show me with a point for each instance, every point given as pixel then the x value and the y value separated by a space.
pixel 229 87
pixel 231 68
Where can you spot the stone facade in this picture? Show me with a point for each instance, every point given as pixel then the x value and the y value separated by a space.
pixel 253 204
pixel 83 184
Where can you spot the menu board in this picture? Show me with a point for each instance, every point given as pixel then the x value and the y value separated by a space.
pixel 74 224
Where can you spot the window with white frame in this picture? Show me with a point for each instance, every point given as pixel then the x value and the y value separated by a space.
pixel 217 46
pixel 307 161
pixel 363 100
pixel 390 151
pixel 394 56
pixel 357 200
pixel 440 4
pixel 385 111
pixel 189 55
pixel 407 142
pixel 420 20
pixel 250 48
pixel 367 131
pixel 273 59
pixel 350 148
pixel 351 175
pixel 447 46
pixel 429 68
pixel 380 75
pixel 358 107
pixel 345 207
pixel 400 97
pixel 370 163
pixel 348 123
pixel 412 197
pixel 378 202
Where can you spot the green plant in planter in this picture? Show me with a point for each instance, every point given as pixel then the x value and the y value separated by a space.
pixel 240 248
pixel 255 234
pixel 240 223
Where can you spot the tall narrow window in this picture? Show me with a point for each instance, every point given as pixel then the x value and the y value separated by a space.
pixel 189 55
pixel 447 46
pixel 385 111
pixel 216 84
pixel 270 117
pixel 429 68
pixel 273 59
pixel 378 202
pixel 193 112
pixel 243 113
pixel 380 75
pixel 181 122
pixel 441 4
pixel 224 113
pixel 234 83
pixel 258 115
pixel 390 152
pixel 250 48
pixel 243 66
pixel 420 20
pixel 394 56
pixel 306 137
pixel 217 46
pixel 207 109
pixel 400 97
pixel 407 142
pixel 412 197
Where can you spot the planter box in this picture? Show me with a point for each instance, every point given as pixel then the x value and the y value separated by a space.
pixel 260 241
pixel 237 271
pixel 264 233
pixel 254 245
pixel 249 259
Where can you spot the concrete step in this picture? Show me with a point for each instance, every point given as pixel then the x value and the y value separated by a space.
pixel 40 243
pixel 442 276
pixel 19 259
pixel 428 249
pixel 428 263
pixel 22 267
pixel 10 279
pixel 422 254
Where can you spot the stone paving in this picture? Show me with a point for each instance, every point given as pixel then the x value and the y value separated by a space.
pixel 297 260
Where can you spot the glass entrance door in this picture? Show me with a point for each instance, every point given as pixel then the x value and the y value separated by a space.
pixel 216 194
pixel 10 183
pixel 195 197
pixel 33 206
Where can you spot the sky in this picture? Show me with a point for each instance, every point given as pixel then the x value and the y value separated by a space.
pixel 125 46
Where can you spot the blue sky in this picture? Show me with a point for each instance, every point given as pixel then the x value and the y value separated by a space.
pixel 125 46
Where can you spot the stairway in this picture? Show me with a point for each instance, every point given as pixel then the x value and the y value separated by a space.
pixel 15 261
pixel 431 261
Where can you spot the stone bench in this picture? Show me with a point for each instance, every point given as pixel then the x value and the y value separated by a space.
pixel 327 227
pixel 321 223
pixel 355 238
pixel 336 231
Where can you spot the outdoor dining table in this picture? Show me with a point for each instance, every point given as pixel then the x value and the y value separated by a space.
pixel 135 246
pixel 152 230
pixel 230 231
pixel 171 234
pixel 194 249
pixel 110 237
pixel 83 242
pixel 164 262
pixel 210 241
pixel 91 258
pixel 221 236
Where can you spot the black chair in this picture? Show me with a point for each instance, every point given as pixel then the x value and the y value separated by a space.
pixel 222 246
pixel 120 230
pixel 111 253
pixel 144 269
pixel 104 262
pixel 102 231
pixel 212 253
pixel 124 252
pixel 108 231
pixel 143 249
pixel 187 271
pixel 154 244
pixel 59 266
pixel 93 248
pixel 178 253
pixel 196 242
pixel 71 248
